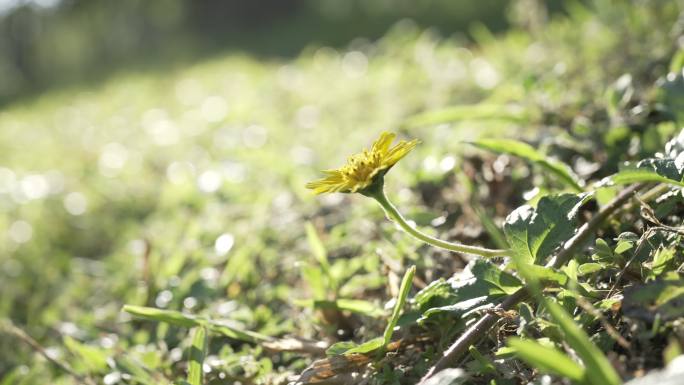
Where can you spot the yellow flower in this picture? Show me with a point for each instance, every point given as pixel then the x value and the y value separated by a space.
pixel 363 169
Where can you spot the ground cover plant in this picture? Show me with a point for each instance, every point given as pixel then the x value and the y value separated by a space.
pixel 159 229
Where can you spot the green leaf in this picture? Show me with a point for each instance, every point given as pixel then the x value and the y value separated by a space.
pixel 670 93
pixel 357 306
pixel 381 342
pixel 92 357
pixel 495 277
pixel 317 247
pixel 480 111
pixel 547 359
pixel 314 278
pixel 138 373
pixel 159 315
pixel 438 293
pixel 482 283
pixel 589 268
pixel 534 233
pixel 340 348
pixel 547 274
pixel 662 299
pixel 185 320
pixel 404 289
pixel 599 370
pixel 529 153
pixel 623 246
pixel 666 170
pixel 486 366
pixel 196 356
pixel 662 259
pixel 368 346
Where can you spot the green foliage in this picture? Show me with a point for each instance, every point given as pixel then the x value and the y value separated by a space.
pixel 187 321
pixel 481 284
pixel 180 193
pixel 598 368
pixel 529 153
pixel 534 233
pixel 404 288
pixel 659 299
pixel 196 356
pixel 548 359
pixel 651 170
pixel 380 343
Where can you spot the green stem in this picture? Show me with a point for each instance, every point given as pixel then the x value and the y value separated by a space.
pixel 395 215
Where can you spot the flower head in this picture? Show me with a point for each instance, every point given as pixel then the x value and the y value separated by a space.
pixel 364 168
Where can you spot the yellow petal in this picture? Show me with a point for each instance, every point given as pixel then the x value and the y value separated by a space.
pixel 399 151
pixel 382 144
pixel 362 169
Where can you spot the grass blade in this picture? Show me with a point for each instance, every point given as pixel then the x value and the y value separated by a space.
pixel 547 359
pixel 599 370
pixel 317 247
pixel 399 305
pixel 197 353
pixel 171 317
pixel 177 318
pixel 529 153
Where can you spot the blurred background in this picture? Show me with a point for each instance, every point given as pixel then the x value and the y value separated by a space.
pixel 48 43
pixel 155 153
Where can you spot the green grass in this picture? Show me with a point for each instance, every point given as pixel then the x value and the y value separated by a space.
pixel 185 191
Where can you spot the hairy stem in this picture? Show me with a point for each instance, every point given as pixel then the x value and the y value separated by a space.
pixel 399 219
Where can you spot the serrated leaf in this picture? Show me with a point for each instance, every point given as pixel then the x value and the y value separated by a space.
pixel 438 293
pixel 529 153
pixel 534 233
pixel 670 93
pixel 666 170
pixel 497 278
pixel 196 356
pixel 675 146
pixel 459 309
pixel 547 359
pixel 480 285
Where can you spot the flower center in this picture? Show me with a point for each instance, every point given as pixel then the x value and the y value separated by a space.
pixel 362 167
